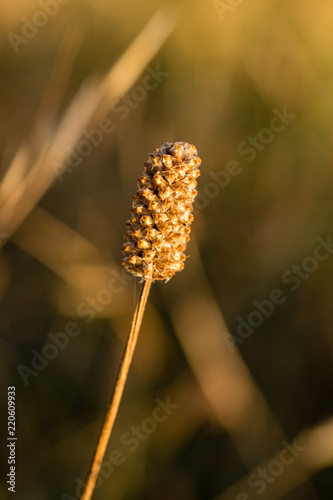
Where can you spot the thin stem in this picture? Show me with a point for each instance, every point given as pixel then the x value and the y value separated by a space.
pixel 117 391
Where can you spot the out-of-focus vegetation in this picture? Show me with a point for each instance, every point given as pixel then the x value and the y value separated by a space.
pixel 140 74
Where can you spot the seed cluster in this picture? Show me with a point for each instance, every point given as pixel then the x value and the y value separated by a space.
pixel 161 213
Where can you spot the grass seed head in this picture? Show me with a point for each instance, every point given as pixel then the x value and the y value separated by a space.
pixel 161 214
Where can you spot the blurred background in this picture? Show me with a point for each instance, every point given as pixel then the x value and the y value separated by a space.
pixel 238 347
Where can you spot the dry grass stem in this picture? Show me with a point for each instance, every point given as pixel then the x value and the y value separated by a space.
pixel 159 230
pixel 117 392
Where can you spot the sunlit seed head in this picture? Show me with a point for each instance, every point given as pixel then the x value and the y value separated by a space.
pixel 159 226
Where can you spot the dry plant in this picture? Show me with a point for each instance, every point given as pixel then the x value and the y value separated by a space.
pixel 159 230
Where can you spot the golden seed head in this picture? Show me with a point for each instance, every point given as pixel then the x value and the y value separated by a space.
pixel 159 227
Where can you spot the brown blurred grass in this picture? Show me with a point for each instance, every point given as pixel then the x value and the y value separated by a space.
pixel 62 239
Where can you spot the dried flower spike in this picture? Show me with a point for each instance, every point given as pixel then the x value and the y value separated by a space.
pixel 161 213
pixel 159 230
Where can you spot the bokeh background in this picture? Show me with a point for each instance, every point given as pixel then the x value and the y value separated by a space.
pixel 222 68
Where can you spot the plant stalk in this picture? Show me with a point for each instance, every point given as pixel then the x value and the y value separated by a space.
pixel 117 391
